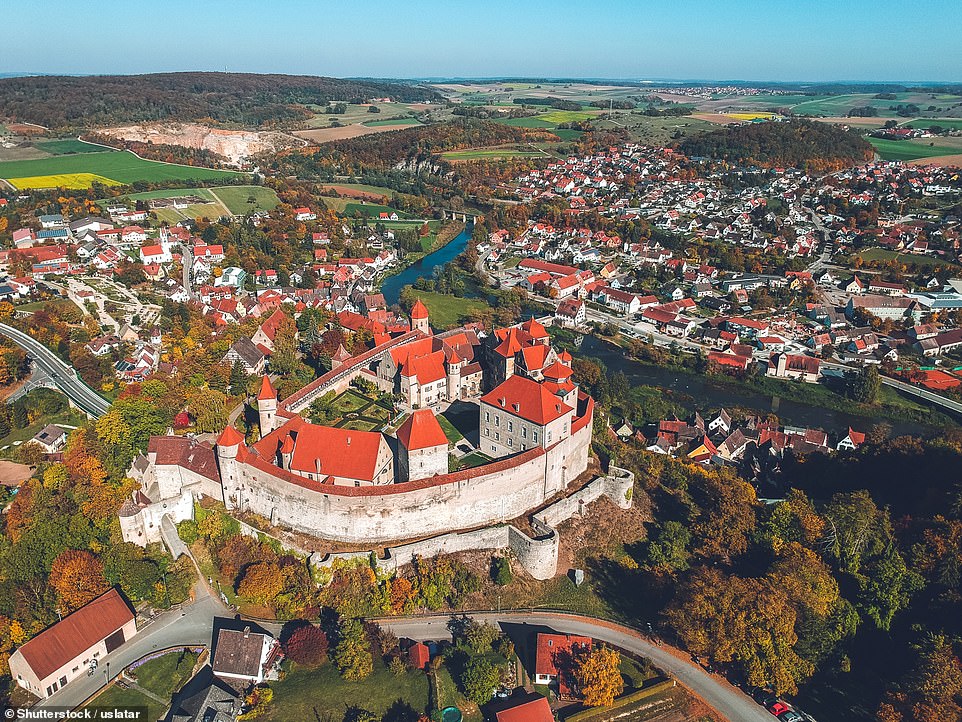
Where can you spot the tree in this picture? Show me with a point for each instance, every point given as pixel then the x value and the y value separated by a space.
pixel 479 679
pixel 352 655
pixel 262 582
pixel 284 360
pixel 501 571
pixel 864 385
pixel 669 550
pixel 599 677
pixel 307 646
pixel 78 577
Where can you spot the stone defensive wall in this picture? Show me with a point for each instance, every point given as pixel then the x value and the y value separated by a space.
pixel 466 499
pixel 538 555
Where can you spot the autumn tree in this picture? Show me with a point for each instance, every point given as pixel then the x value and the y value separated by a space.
pixel 598 675
pixel 78 577
pixel 352 655
pixel 262 583
pixel 306 645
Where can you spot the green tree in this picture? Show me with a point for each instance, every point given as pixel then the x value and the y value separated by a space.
pixel 352 655
pixel 669 550
pixel 479 679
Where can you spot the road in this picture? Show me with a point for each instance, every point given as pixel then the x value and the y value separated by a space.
pixel 62 374
pixel 729 701
pixel 191 625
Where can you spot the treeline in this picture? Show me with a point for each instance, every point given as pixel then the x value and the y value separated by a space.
pixel 799 144
pixel 383 151
pixel 551 102
pixel 239 98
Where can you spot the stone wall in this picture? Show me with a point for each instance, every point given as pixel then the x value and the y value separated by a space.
pixel 538 555
pixel 505 491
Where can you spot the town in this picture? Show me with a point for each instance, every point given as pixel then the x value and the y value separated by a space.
pixel 507 399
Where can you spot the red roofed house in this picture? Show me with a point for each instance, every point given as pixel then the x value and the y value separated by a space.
pixel 304 214
pixel 264 336
pixel 522 414
pixel 852 440
pixel 795 366
pixel 422 448
pixel 531 708
pixel 553 659
pixel 69 648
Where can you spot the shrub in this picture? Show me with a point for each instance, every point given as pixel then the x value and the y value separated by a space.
pixel 307 646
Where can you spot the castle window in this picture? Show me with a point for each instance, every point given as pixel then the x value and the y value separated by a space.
pixel 510 426
pixel 497 421
pixel 534 436
pixel 524 432
pixel 510 441
pixel 487 416
pixel 549 437
pixel 497 436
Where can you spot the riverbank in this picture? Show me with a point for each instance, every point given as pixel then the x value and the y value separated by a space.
pixel 795 403
pixel 423 267
pixel 445 235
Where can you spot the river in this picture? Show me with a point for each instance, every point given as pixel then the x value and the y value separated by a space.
pixel 704 394
pixel 425 267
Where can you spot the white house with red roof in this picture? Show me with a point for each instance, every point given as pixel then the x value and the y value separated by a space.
pixel 304 214
pixel 422 447
pixel 520 414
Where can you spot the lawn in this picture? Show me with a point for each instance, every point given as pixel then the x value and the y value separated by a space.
pixel 121 168
pixel 65 418
pixel 475 458
pixel 406 120
pixel 117 696
pixel 321 694
pixel 454 436
pixel 884 254
pixel 68 146
pixel 165 675
pixel 568 116
pixel 350 401
pixel 483 153
pixel 911 149
pixel 447 311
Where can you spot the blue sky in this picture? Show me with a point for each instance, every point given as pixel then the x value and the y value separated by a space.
pixel 680 39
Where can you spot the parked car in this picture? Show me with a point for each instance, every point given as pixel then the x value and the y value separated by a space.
pixel 778 707
pixel 791 716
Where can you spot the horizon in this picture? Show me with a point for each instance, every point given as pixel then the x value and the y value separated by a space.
pixel 818 41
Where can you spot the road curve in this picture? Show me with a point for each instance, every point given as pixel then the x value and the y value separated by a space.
pixel 729 701
pixel 62 374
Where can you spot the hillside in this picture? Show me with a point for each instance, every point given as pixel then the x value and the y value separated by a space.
pixel 800 144
pixel 233 98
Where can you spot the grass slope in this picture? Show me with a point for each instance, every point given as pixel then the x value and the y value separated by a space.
pixel 910 149
pixel 118 167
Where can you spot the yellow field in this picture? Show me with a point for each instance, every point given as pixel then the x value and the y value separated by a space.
pixel 750 116
pixel 72 181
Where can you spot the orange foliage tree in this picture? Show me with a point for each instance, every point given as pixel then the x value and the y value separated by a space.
pixel 78 577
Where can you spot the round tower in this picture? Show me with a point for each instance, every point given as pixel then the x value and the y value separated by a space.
pixel 228 447
pixel 267 407
pixel 419 318
pixel 454 376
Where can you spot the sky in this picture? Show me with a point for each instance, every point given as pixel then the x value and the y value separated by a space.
pixel 773 40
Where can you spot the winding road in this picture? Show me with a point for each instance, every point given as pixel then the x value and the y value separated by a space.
pixel 62 374
pixel 729 701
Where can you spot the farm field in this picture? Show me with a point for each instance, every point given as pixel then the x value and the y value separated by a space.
pixel 237 198
pixel 360 114
pixel 68 146
pixel 117 167
pixel 361 188
pixel 916 148
pixel 952 123
pixel 884 254
pixel 71 181
pixel 391 121
pixel 369 210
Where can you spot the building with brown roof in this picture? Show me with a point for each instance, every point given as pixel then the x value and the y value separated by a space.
pixel 69 648
pixel 244 656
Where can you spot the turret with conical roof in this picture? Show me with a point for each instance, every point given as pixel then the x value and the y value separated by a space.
pixel 267 406
pixel 419 317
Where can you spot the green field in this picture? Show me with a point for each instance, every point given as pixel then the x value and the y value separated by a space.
pixel 447 311
pixel 487 153
pixel 121 168
pixel 950 123
pixel 67 146
pixel 406 120
pixel 368 210
pixel 884 254
pixel 912 149
pixel 321 694
pixel 237 198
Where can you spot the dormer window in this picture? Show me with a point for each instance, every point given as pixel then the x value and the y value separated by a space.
pixel 516 407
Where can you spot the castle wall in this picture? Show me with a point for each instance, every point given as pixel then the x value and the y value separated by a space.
pixel 472 501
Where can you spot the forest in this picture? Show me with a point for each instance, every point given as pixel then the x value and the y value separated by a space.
pixel 245 99
pixel 800 144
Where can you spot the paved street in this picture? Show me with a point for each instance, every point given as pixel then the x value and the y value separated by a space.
pixel 62 374
pixel 729 701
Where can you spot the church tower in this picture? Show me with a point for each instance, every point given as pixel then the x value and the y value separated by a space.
pixel 267 407
pixel 419 318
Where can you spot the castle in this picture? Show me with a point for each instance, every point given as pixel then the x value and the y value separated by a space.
pixel 368 487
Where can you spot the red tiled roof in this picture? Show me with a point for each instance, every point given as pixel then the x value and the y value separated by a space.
pixel 67 639
pixel 419 310
pixel 421 430
pixel 344 453
pixel 229 437
pixel 267 392
pixel 534 710
pixel 419 655
pixel 553 649
pixel 270 326
pixel 526 399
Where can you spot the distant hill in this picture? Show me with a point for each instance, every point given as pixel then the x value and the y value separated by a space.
pixel 246 99
pixel 798 144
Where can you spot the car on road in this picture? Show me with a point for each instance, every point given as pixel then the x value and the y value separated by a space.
pixel 791 716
